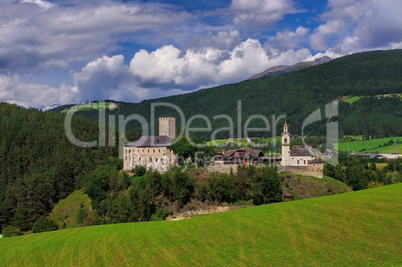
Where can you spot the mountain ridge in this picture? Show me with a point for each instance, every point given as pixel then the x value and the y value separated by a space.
pixel 281 69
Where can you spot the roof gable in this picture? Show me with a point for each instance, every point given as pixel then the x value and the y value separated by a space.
pixel 301 152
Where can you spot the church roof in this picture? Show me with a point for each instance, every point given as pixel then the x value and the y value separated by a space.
pixel 151 141
pixel 300 152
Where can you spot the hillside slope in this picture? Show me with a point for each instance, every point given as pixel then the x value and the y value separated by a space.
pixel 358 228
pixel 295 95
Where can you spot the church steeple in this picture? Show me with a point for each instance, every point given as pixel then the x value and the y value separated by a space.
pixel 285 145
pixel 285 127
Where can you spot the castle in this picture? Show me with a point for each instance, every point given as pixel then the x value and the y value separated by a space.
pixel 299 160
pixel 152 151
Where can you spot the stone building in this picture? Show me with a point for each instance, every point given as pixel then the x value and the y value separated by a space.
pixel 152 151
pixel 299 160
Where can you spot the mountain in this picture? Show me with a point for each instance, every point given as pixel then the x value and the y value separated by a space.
pixel 281 69
pixel 295 95
pixel 46 108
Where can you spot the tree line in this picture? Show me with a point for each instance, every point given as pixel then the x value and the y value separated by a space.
pixel 117 198
pixel 362 173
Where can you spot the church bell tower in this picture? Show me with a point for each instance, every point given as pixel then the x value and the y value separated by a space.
pixel 285 145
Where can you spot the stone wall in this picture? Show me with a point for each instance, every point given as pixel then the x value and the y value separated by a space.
pixel 315 170
pixel 223 168
pixel 159 158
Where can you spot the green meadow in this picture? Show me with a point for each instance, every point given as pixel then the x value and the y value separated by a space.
pixel 358 228
pixel 353 99
pixel 243 141
pixel 371 146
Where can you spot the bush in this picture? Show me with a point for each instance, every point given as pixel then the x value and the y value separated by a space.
pixel 82 214
pixel 139 170
pixel 10 231
pixel 44 225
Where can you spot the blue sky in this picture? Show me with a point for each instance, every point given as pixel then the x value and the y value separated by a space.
pixel 59 52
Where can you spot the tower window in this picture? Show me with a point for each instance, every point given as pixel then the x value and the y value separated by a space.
pixel 285 141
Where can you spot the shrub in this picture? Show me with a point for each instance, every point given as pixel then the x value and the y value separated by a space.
pixel 139 170
pixel 11 231
pixel 373 184
pixel 82 214
pixel 44 225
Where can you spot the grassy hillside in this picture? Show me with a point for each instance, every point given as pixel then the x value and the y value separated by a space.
pixel 358 228
pixel 66 210
pixel 372 145
pixel 302 187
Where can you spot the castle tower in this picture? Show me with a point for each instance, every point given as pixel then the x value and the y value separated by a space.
pixel 285 145
pixel 167 127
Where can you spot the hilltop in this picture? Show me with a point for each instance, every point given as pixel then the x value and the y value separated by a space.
pixel 296 95
pixel 357 228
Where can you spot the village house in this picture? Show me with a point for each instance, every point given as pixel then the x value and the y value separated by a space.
pixel 243 155
pixel 152 151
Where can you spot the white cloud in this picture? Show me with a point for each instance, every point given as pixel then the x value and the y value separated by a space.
pixel 12 90
pixel 260 13
pixel 101 78
pixel 40 3
pixel 360 25
pixel 288 39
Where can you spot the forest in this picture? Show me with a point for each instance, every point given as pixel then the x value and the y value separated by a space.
pixel 38 165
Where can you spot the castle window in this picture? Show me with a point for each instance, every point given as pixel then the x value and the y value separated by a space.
pixel 304 162
pixel 297 161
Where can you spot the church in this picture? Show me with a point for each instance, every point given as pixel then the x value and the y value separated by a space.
pixel 299 160
pixel 152 151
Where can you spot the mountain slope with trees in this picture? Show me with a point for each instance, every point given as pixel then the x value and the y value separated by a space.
pixel 38 164
pixel 296 95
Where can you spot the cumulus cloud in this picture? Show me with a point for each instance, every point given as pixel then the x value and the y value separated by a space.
pixel 259 14
pixel 102 78
pixel 171 67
